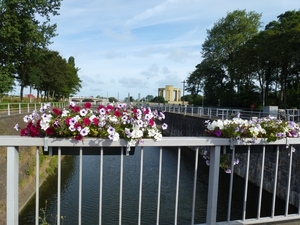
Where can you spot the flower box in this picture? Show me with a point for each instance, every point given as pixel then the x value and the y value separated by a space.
pixel 90 151
pixel 94 127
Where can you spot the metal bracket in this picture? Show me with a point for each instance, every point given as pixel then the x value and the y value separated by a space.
pixel 127 150
pixel 231 143
pixel 46 144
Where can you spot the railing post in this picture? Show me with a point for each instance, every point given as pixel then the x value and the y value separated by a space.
pixel 8 109
pixel 213 185
pixel 12 193
pixel 20 110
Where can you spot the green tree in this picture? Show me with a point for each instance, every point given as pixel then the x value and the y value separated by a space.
pixel 24 28
pixel 284 48
pixel 72 82
pixel 271 59
pixel 112 99
pixel 149 98
pixel 158 99
pixel 195 82
pixel 220 46
pixel 131 99
pixel 6 82
pixel 54 76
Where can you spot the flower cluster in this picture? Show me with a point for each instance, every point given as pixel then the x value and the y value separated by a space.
pixel 269 128
pixel 225 160
pixel 113 121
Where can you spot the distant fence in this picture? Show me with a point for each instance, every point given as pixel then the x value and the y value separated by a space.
pixel 7 109
pixel 209 112
pixel 227 113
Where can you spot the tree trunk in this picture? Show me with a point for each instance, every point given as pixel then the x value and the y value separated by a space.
pixel 21 93
pixel 283 85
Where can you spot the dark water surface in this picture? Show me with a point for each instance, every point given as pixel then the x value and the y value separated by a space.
pixel 111 185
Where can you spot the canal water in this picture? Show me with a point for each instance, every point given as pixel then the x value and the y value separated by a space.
pixel 111 184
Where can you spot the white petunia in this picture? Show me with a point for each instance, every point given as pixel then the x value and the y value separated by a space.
pixel 136 133
pixel 44 124
pixel 65 113
pixel 83 112
pixel 46 117
pixel 85 131
pixel 26 119
pixel 158 137
pixel 72 128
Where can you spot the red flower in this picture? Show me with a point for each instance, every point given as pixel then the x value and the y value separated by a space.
pixel 86 121
pixel 49 131
pixel 24 132
pixel 146 111
pixel 109 108
pixel 96 121
pixel 77 125
pixel 68 120
pixel 87 105
pixel 117 113
pixel 56 111
pixel 134 110
pixel 100 107
pixel 151 122
pixel 78 137
pixel 76 108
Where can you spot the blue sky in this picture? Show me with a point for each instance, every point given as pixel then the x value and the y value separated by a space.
pixel 138 46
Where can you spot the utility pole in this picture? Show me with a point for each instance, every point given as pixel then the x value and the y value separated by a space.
pixel 183 86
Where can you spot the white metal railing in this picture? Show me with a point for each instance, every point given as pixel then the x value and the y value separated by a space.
pixel 226 113
pixel 209 112
pixel 7 109
pixel 216 146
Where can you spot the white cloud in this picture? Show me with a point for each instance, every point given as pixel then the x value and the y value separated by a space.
pixel 151 72
pixel 138 46
pixel 133 82
pixel 124 35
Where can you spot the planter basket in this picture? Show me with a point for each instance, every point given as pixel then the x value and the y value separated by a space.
pixel 89 151
pixel 92 146
pixel 242 147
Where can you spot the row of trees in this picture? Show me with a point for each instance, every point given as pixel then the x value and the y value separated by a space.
pixel 25 33
pixel 243 65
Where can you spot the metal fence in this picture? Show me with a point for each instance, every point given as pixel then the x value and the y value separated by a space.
pixel 209 112
pixel 7 109
pixel 227 113
pixel 215 146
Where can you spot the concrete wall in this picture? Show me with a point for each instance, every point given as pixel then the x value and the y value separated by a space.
pixel 183 125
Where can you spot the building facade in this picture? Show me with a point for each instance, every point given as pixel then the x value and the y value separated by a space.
pixel 171 95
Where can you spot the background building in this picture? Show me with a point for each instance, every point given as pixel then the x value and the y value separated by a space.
pixel 171 95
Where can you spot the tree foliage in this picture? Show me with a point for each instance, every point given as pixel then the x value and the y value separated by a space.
pixel 243 65
pixel 57 78
pixel 6 82
pixel 25 33
pixel 158 99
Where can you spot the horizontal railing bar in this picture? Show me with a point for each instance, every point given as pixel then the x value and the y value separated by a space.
pixel 262 220
pixel 7 140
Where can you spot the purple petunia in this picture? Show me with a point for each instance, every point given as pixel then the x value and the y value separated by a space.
pixel 218 133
